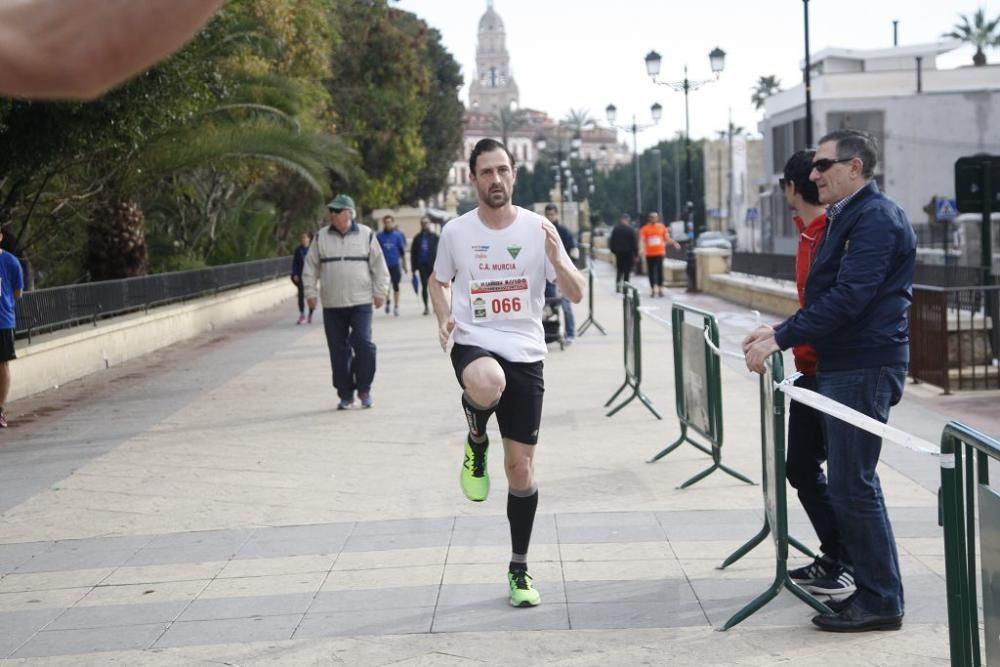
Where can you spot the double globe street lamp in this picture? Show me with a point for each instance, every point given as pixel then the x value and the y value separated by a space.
pixel 717 60
pixel 562 168
pixel 656 111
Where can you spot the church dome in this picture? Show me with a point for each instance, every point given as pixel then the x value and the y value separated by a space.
pixel 491 21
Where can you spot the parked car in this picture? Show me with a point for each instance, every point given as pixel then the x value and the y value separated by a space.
pixel 713 239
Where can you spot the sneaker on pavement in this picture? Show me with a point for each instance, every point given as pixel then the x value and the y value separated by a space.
pixel 426 311
pixel 818 569
pixel 309 320
pixel 345 403
pixel 475 476
pixel 3 419
pixel 569 341
pixel 387 307
pixel 366 399
pixel 522 592
pixel 395 311
pixel 302 318
pixel 824 576
pixel 837 584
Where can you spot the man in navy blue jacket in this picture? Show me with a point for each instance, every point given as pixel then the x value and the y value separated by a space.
pixel 857 298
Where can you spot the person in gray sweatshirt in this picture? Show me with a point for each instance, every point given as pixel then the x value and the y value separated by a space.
pixel 347 263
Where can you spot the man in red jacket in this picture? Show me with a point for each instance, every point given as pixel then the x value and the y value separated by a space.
pixel 829 574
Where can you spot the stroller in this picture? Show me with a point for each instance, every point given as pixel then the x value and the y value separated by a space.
pixel 552 317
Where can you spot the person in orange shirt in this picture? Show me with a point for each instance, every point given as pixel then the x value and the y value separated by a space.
pixel 655 239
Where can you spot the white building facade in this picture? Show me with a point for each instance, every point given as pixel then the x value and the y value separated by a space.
pixel 924 119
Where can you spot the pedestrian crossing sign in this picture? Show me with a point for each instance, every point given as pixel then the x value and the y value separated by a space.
pixel 947 210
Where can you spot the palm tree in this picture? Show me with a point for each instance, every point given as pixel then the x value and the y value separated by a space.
pixel 763 89
pixel 242 130
pixel 579 119
pixel 509 120
pixel 979 32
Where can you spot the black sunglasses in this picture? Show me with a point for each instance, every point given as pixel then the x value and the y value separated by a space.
pixel 824 165
pixel 336 210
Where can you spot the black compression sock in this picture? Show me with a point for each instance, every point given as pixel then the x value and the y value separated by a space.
pixel 477 418
pixel 521 507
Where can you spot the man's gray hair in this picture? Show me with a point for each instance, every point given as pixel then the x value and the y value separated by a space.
pixel 855 143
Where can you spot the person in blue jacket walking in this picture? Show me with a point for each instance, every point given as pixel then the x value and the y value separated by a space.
pixel 11 285
pixel 393 244
pixel 857 298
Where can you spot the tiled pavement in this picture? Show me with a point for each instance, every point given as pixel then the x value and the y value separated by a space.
pixel 615 570
pixel 208 505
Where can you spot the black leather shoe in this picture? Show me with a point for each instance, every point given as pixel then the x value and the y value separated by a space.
pixel 855 619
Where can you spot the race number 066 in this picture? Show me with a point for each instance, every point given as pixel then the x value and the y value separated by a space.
pixel 507 305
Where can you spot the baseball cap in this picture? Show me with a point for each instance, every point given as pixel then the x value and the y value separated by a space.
pixel 341 202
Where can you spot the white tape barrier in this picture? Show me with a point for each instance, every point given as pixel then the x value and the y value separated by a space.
pixel 721 353
pixel 822 403
pixel 648 312
pixel 854 418
pixel 839 410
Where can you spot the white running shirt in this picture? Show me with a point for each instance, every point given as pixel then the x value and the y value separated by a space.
pixel 499 289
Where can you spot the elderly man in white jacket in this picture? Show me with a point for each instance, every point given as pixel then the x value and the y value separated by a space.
pixel 346 261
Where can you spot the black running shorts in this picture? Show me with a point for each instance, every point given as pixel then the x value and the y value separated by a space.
pixel 519 412
pixel 7 345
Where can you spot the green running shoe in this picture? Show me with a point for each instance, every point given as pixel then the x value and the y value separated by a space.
pixel 475 477
pixel 522 593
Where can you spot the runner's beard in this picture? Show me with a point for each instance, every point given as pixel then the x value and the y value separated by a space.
pixel 497 198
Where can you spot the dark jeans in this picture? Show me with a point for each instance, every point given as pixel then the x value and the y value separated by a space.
pixel 301 295
pixel 854 487
pixel 623 266
pixel 352 352
pixel 425 277
pixel 655 268
pixel 803 469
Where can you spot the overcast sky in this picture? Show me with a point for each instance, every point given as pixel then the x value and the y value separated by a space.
pixel 584 55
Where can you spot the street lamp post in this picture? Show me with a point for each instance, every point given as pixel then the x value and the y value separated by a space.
pixel 807 80
pixel 656 111
pixel 659 182
pixel 717 59
pixel 562 165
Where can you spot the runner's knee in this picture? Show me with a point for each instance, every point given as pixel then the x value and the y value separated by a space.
pixel 484 381
pixel 520 472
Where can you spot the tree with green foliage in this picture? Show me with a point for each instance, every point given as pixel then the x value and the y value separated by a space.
pixel 578 119
pixel 227 149
pixel 379 82
pixel 226 101
pixel 980 32
pixel 441 127
pixel 508 120
pixel 765 87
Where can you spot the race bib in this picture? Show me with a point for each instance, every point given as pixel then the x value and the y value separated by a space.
pixel 500 299
pixel 654 241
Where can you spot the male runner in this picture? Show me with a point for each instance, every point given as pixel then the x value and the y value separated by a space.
pixel 499 257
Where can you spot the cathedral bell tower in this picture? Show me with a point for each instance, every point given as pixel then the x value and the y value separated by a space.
pixel 493 88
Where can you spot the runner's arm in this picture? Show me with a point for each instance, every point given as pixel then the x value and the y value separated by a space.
pixel 570 281
pixel 441 302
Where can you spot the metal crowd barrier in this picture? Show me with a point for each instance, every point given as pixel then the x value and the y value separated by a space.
pixel 772 435
pixel 590 307
pixel 633 353
pixel 965 480
pixel 698 387
pixel 43 310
